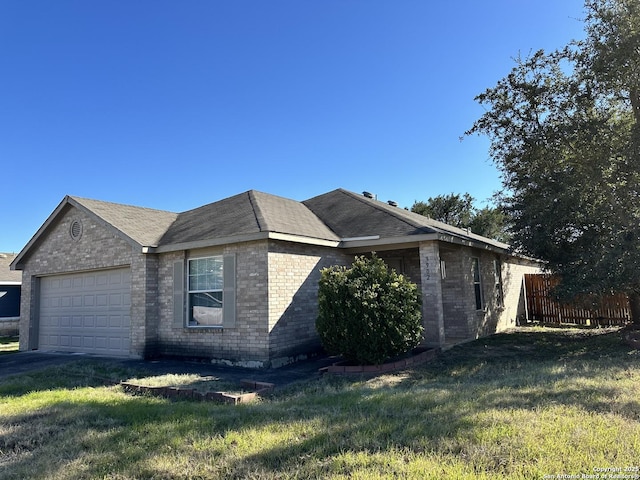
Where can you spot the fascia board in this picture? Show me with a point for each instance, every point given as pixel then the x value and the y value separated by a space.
pixel 286 237
pixel 473 243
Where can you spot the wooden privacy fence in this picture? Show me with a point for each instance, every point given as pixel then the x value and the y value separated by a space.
pixel 541 307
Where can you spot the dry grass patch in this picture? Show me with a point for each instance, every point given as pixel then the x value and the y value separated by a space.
pixel 8 345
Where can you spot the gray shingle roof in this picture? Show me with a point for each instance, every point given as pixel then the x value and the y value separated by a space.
pixel 145 226
pixel 244 214
pixel 334 216
pixel 7 275
pixel 282 215
pixel 351 215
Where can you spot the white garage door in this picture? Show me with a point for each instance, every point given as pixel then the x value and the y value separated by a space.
pixel 87 312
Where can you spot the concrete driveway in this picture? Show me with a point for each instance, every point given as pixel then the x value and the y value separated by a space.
pixel 26 362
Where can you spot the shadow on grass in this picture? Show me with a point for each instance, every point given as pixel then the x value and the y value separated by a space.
pixel 303 431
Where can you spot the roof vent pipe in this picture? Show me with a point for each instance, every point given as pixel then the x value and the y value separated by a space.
pixel 368 194
pixel 392 203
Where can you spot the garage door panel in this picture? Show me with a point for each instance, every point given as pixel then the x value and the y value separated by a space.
pixel 115 300
pixel 88 312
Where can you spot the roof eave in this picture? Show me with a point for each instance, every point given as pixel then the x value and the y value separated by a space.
pixel 409 241
pixel 250 237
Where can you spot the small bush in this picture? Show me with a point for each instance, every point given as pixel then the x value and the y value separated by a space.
pixel 368 313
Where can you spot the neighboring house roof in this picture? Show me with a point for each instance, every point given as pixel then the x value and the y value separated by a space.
pixel 336 218
pixel 8 276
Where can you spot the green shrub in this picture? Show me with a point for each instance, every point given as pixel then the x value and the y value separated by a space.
pixel 368 313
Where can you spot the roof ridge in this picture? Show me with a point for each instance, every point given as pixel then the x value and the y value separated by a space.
pixel 257 211
pixel 273 213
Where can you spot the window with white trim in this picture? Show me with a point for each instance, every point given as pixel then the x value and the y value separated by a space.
pixel 477 283
pixel 205 291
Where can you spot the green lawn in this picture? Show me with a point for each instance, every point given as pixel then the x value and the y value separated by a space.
pixel 525 404
pixel 8 345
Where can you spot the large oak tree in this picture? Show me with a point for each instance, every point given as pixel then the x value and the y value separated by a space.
pixel 565 132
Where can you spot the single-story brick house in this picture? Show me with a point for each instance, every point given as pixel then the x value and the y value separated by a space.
pixel 236 281
pixel 10 285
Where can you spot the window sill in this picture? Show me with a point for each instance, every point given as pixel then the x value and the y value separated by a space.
pixel 204 327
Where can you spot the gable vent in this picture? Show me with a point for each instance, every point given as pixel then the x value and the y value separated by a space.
pixel 75 230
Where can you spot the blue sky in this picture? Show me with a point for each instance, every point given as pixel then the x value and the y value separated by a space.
pixel 176 104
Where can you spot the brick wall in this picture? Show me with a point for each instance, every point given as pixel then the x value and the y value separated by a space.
pixel 432 293
pixel 276 305
pixel 458 296
pixel 144 304
pixel 499 316
pixel 247 342
pixel 461 318
pixel 294 272
pixel 512 280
